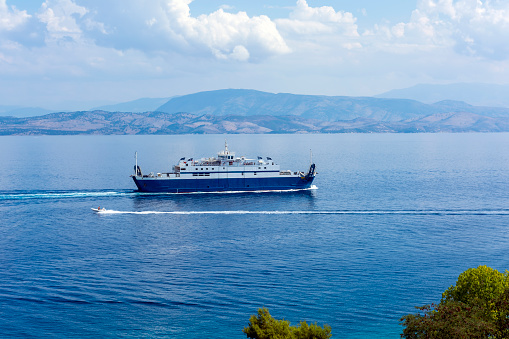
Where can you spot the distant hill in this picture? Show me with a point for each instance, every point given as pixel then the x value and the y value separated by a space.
pixel 4 108
pixel 139 105
pixel 250 111
pixel 474 94
pixel 18 111
pixel 101 122
pixel 241 102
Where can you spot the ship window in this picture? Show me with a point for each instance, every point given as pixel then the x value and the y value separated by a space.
pixel 207 168
pixel 265 168
pixel 259 168
pixel 223 167
pixel 187 164
pixel 182 169
pixel 201 169
pixel 254 173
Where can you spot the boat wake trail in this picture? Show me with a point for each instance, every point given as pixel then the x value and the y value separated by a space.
pixel 387 212
pixel 126 193
pixel 61 195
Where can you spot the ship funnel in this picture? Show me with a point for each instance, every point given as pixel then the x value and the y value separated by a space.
pixel 312 172
pixel 137 170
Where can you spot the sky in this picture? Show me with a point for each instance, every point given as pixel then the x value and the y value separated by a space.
pixel 77 54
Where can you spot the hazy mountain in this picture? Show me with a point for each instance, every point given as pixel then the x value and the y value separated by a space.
pixel 139 105
pixel 474 94
pixel 249 111
pixel 18 111
pixel 101 122
pixel 250 102
pixel 328 108
pixel 4 108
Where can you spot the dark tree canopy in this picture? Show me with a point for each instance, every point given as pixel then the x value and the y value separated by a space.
pixel 264 326
pixel 477 306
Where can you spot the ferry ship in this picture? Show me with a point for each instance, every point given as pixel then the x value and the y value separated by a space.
pixel 226 172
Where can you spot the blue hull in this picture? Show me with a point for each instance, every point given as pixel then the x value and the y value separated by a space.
pixel 221 185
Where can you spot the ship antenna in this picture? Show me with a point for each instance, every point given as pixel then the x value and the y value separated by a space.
pixel 225 145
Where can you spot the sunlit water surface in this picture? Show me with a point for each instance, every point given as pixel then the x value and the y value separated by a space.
pixel 394 219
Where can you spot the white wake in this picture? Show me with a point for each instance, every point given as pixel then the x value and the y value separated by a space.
pixel 340 212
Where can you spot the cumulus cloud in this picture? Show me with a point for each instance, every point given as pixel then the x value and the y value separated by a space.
pixel 10 18
pixel 472 27
pixel 60 19
pixel 227 35
pixel 320 26
pixel 306 20
pixel 66 20
pixel 116 42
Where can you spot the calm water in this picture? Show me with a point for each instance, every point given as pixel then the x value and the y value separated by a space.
pixel 394 221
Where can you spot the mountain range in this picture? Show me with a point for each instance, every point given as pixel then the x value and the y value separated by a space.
pixel 250 111
pixel 101 122
pixel 328 108
pixel 486 95
pixel 492 95
pixel 22 111
pixel 136 106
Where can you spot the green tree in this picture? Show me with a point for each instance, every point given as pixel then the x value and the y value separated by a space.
pixel 450 319
pixel 264 326
pixel 477 306
pixel 313 331
pixel 483 285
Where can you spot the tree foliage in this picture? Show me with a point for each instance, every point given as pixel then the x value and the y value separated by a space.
pixel 451 319
pixel 264 326
pixel 476 307
pixel 482 285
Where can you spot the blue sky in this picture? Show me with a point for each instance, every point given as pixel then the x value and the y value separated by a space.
pixel 76 54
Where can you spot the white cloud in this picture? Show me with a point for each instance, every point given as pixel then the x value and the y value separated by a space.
pixel 10 18
pixel 315 33
pixel 59 20
pixel 65 20
pixel 227 7
pixel 222 32
pixel 472 27
pixel 306 20
pixel 134 48
pixel 151 22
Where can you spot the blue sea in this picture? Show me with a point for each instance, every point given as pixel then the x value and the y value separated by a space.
pixel 393 221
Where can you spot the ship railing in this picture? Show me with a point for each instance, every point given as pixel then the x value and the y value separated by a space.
pixel 285 172
pixel 162 175
pixel 206 163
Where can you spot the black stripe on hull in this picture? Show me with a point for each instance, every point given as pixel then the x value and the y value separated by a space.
pixel 221 185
